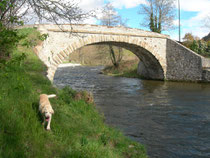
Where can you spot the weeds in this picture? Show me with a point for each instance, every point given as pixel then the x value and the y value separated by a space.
pixel 125 69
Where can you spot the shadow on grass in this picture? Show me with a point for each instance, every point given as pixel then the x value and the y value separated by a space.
pixel 35 107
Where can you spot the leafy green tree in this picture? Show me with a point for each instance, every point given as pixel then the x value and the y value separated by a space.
pixel 202 47
pixel 14 12
pixel 208 47
pixel 194 46
pixel 9 37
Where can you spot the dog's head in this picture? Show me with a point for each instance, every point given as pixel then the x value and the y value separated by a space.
pixel 48 114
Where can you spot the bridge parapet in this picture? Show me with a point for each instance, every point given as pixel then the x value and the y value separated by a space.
pixel 98 29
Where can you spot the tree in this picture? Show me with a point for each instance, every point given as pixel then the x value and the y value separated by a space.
pixel 49 10
pixel 110 17
pixel 9 37
pixel 159 14
pixel 196 44
pixel 13 12
pixel 189 39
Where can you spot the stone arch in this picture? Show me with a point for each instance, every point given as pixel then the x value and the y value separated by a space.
pixel 124 41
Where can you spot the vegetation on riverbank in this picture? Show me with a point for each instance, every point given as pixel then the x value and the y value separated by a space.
pixel 125 69
pixel 200 46
pixel 78 131
pixel 93 55
pixel 99 55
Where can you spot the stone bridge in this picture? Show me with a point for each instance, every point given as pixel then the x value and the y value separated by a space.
pixel 160 57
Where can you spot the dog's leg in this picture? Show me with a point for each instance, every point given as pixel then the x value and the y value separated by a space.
pixel 43 120
pixel 48 124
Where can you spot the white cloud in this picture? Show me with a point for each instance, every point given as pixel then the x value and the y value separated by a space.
pixel 89 21
pixel 176 22
pixel 195 25
pixel 126 3
pixel 91 5
pixel 195 5
pixel 88 5
pixel 196 32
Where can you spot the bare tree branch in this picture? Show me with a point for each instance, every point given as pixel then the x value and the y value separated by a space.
pixel 53 11
pixel 159 14
pixel 110 17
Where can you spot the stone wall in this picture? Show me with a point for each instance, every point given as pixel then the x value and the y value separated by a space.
pixel 182 63
pixel 206 76
pixel 206 63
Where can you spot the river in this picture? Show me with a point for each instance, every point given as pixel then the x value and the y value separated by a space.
pixel 171 119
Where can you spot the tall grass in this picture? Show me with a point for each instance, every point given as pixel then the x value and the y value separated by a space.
pixel 78 131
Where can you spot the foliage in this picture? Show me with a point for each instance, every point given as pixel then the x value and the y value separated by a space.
pixel 125 69
pixel 159 14
pixel 8 41
pixel 188 37
pixel 9 37
pixel 12 11
pixel 77 128
pixel 9 12
pixel 199 46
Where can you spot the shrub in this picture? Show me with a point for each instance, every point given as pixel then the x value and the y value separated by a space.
pixel 8 41
pixel 199 46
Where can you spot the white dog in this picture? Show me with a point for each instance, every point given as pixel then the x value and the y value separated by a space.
pixel 45 108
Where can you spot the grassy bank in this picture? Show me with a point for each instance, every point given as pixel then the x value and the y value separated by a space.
pixel 78 131
pixel 125 69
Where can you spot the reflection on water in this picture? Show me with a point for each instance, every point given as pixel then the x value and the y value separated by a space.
pixel 171 119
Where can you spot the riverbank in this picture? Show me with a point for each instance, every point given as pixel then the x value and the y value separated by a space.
pixel 125 69
pixel 156 113
pixel 77 128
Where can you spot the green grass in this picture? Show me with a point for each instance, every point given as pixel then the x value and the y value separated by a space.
pixel 78 130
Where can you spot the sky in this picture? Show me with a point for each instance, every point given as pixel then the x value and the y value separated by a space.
pixel 193 15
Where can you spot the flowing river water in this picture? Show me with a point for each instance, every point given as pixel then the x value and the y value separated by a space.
pixel 171 119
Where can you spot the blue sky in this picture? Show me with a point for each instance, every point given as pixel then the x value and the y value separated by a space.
pixel 193 14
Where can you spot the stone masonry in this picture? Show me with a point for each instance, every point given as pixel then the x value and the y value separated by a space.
pixel 160 57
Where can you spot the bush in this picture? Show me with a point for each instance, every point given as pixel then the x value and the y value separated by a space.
pixel 199 46
pixel 8 41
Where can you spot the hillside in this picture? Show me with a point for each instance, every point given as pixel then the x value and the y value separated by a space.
pixel 206 38
pixel 78 131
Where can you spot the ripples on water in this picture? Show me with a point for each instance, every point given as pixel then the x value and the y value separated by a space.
pixel 171 119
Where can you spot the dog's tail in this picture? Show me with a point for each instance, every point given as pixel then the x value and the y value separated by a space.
pixel 51 96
